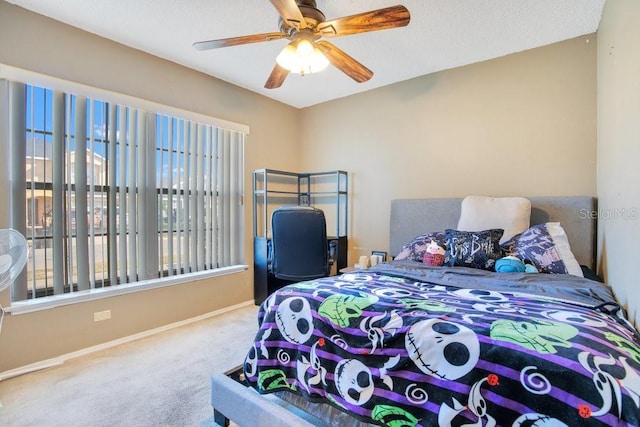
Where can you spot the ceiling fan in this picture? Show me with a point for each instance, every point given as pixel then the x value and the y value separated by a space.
pixel 303 24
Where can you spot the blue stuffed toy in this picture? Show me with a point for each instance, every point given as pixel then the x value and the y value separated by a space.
pixel 530 268
pixel 512 264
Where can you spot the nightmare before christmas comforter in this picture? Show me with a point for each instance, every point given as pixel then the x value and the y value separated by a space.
pixel 405 344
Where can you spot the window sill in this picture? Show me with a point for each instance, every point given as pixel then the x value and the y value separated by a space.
pixel 45 303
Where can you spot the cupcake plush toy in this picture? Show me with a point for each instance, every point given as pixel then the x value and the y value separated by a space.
pixel 434 255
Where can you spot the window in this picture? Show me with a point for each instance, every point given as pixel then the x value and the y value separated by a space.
pixel 115 194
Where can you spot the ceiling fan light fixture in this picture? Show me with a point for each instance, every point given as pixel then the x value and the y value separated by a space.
pixel 302 57
pixel 305 25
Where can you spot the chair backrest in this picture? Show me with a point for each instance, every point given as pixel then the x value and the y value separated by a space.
pixel 299 243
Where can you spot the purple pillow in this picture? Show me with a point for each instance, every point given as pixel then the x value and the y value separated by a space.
pixel 415 249
pixel 545 246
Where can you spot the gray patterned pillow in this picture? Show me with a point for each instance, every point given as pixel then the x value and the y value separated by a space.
pixel 474 249
pixel 546 246
pixel 415 249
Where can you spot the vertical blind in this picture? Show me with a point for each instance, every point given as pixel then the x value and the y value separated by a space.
pixel 116 194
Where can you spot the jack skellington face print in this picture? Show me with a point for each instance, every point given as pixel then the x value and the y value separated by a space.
pixel 442 349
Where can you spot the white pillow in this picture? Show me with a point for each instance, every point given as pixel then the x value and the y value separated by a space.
pixel 478 213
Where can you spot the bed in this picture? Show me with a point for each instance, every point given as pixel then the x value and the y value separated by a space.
pixel 406 343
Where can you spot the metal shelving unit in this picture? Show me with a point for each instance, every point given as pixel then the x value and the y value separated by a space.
pixel 274 188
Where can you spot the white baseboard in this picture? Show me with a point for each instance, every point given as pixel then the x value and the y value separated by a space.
pixel 59 360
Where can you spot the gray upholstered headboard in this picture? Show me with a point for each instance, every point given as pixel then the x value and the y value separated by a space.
pixel 412 217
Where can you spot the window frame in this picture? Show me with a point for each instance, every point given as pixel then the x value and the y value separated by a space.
pixel 45 302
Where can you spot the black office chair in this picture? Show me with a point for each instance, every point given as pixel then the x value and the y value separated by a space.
pixel 299 247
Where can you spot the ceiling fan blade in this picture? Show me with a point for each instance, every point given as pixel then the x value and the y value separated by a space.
pixel 344 62
pixel 380 19
pixel 290 13
pixel 235 41
pixel 276 78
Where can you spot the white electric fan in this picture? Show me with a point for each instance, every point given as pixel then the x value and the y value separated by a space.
pixel 14 252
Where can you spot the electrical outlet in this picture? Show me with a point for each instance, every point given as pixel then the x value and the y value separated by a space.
pixel 101 315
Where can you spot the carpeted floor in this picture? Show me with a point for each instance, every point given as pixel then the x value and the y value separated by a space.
pixel 162 380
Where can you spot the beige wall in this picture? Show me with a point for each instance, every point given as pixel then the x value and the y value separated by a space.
pixel 619 150
pixel 524 124
pixel 39 44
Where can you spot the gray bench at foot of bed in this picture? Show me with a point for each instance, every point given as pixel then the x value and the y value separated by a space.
pixel 244 406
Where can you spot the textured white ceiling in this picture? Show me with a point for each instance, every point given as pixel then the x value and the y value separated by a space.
pixel 442 34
